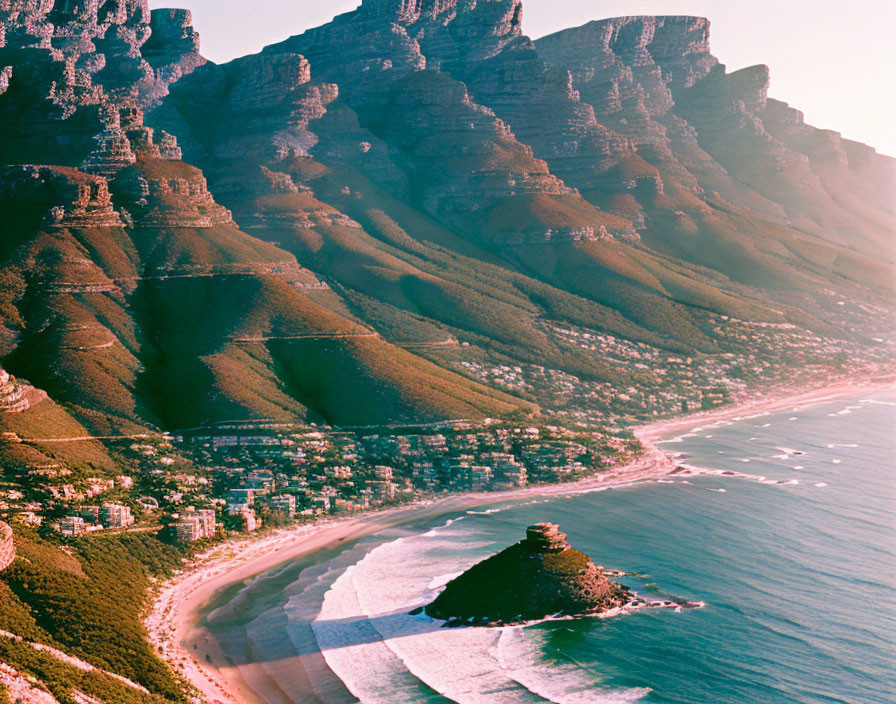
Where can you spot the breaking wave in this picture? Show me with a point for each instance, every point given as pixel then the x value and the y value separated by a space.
pixel 384 654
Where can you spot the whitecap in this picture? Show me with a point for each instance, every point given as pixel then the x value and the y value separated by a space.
pixel 520 656
pixel 436 531
pixel 790 451
pixel 595 490
pixel 821 485
pixel 382 653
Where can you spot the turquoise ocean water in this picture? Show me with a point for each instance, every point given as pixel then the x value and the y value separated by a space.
pixel 794 560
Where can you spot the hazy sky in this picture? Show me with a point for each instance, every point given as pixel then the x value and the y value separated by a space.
pixel 834 60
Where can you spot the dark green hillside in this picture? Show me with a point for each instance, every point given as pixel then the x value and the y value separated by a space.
pixel 168 324
pixel 86 599
pixel 46 419
pixel 259 347
pixel 364 381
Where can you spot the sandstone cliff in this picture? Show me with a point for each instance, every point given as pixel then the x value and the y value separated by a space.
pixel 185 242
pixel 715 137
pixel 117 248
pixel 426 115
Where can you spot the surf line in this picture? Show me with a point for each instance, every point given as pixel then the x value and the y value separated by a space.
pixel 689 470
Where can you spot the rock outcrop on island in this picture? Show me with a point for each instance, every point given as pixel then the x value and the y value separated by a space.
pixel 538 577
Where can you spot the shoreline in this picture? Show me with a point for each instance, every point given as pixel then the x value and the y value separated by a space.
pixel 179 619
pixel 178 614
pixel 759 405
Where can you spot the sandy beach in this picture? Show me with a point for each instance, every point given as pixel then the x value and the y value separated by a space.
pixel 764 404
pixel 200 620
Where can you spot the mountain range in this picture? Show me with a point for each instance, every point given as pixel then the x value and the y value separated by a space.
pixel 360 224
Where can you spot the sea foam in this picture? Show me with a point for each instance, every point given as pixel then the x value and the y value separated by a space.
pixel 383 654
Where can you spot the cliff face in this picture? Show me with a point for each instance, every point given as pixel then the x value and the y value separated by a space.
pixel 393 74
pixel 129 293
pixel 172 50
pixel 633 114
pixel 71 66
pixel 185 242
pixel 715 135
pixel 538 577
pixel 454 33
pixel 482 45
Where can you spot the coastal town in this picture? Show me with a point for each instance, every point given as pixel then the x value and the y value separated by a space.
pixel 205 484
pixel 657 383
pixel 240 477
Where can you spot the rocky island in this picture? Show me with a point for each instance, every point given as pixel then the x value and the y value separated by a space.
pixel 538 577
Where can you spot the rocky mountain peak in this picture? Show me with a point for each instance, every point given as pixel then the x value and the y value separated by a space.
pixel 172 50
pixel 454 31
pixel 413 10
pixel 679 45
pixel 398 10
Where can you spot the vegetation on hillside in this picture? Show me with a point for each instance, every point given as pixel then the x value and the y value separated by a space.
pixel 85 597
